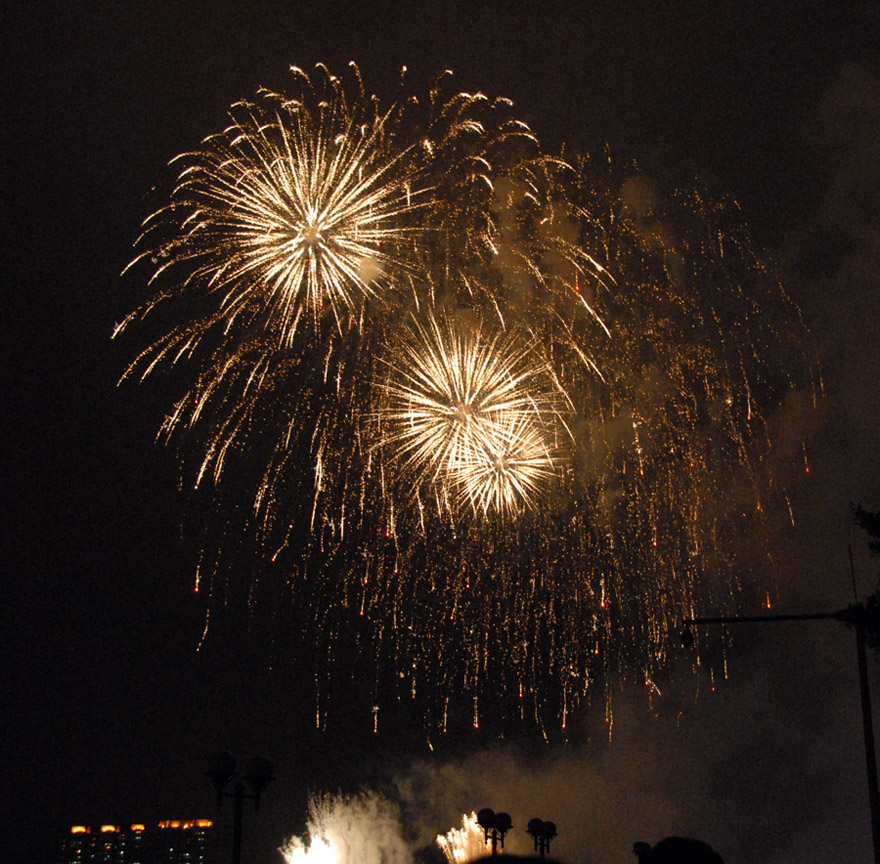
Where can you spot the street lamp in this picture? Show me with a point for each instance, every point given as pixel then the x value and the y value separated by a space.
pixel 542 833
pixel 257 774
pixel 864 618
pixel 495 826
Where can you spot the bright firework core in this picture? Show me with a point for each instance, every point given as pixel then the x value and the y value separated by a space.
pixel 331 188
pixel 312 238
pixel 277 215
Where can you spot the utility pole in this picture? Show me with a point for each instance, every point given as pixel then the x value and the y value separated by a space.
pixel 864 618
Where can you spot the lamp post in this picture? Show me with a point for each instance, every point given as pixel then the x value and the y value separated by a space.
pixel 495 826
pixel 257 774
pixel 864 618
pixel 542 833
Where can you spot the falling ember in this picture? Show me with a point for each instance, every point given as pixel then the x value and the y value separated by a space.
pixel 454 404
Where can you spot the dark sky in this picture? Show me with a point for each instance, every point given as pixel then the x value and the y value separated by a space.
pixel 109 710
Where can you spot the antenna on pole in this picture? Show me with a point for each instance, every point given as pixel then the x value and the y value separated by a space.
pixel 852 572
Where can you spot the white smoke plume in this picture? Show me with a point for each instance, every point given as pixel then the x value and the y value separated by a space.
pixel 350 829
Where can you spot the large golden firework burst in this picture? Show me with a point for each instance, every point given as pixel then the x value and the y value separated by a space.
pixel 297 210
pixel 482 420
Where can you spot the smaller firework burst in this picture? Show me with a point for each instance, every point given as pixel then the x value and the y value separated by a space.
pixel 472 413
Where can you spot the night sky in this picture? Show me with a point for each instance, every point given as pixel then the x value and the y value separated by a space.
pixel 109 710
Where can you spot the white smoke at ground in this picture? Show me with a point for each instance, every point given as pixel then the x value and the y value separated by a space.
pixel 756 767
pixel 350 829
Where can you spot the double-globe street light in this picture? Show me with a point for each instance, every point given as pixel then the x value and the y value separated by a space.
pixel 496 825
pixel 257 774
pixel 542 833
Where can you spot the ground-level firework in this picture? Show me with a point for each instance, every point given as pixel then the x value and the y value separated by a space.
pixel 475 422
pixel 367 829
pixel 363 828
pixel 465 844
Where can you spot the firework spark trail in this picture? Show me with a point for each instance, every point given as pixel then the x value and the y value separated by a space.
pixel 484 420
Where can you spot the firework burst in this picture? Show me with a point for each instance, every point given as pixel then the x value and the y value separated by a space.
pixel 293 212
pixel 472 414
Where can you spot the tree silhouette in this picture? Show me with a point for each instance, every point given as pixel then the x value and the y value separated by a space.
pixel 870 522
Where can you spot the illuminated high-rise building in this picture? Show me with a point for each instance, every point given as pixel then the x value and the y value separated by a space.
pixel 182 842
pixel 174 841
pixel 76 848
